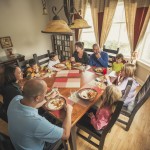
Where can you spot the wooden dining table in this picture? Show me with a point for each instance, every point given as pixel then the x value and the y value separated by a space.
pixel 78 110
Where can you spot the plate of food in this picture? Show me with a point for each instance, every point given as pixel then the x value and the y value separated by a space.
pixel 87 94
pixel 77 64
pixel 60 65
pixel 56 103
pixel 98 69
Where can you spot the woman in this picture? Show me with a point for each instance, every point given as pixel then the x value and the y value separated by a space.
pixel 12 76
pixel 80 55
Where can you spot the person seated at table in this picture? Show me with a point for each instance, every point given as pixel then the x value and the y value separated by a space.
pixel 53 61
pixel 102 116
pixel 33 69
pixel 12 84
pixel 118 65
pixel 99 58
pixel 127 73
pixel 27 129
pixel 1 77
pixel 80 55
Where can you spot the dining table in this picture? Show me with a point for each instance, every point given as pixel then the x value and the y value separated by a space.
pixel 85 76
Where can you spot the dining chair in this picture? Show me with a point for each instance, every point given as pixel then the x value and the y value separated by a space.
pixel 42 59
pixel 3 113
pixel 5 142
pixel 112 54
pixel 140 99
pixel 84 124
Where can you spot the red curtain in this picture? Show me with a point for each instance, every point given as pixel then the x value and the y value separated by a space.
pixel 139 21
pixel 100 22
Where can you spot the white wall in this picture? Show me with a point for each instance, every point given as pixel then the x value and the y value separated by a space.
pixel 23 21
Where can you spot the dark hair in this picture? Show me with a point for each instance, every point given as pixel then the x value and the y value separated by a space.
pixel 52 55
pixel 32 62
pixel 9 74
pixel 80 44
pixel 118 56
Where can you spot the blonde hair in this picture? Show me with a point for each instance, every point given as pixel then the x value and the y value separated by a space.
pixel 111 95
pixel 129 70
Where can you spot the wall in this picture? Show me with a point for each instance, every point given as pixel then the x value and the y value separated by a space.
pixel 23 21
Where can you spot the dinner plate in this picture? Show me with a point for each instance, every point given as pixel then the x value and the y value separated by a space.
pixel 87 94
pixel 60 65
pixel 98 69
pixel 77 64
pixel 56 103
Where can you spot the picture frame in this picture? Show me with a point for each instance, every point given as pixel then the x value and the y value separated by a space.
pixel 6 42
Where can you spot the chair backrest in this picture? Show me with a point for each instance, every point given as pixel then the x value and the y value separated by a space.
pixel 142 95
pixel 42 60
pixel 114 117
pixel 5 142
pixel 23 64
pixel 112 54
pixel 127 89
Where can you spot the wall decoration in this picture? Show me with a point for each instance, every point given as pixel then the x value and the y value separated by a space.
pixel 6 42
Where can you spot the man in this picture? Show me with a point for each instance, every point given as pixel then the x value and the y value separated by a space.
pixel 99 58
pixel 27 129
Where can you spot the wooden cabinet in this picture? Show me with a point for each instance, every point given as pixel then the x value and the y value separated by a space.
pixel 63 46
pixel 11 60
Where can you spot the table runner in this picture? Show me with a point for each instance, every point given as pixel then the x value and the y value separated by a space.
pixel 68 73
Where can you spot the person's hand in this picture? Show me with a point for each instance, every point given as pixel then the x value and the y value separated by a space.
pixel 106 77
pixel 72 59
pixel 68 108
pixel 98 55
pixel 91 114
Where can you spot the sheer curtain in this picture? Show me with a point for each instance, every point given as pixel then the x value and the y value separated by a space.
pixel 109 10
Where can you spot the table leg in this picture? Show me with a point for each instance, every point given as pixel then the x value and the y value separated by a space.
pixel 72 138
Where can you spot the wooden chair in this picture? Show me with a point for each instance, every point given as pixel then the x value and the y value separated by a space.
pixel 5 142
pixel 84 124
pixel 112 54
pixel 42 60
pixel 140 99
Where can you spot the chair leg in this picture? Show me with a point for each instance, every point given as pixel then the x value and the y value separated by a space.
pixel 101 144
pixel 129 123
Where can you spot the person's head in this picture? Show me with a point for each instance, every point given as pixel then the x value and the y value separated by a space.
pixel 79 46
pixel 119 58
pixel 53 56
pixel 12 74
pixel 96 48
pixel 128 70
pixel 34 92
pixel 33 64
pixel 111 95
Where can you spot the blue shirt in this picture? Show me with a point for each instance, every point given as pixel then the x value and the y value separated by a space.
pixel 101 62
pixel 27 129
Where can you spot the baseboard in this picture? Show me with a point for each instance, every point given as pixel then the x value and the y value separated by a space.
pixel 139 81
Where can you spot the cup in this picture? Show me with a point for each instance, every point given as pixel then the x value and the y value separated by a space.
pixel 104 71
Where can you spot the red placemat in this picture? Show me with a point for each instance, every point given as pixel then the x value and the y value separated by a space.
pixel 67 83
pixel 68 73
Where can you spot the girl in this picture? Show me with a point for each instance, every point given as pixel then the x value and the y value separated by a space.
pixel 127 73
pixel 103 114
pixel 80 55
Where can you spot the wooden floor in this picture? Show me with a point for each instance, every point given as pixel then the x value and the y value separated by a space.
pixel 137 138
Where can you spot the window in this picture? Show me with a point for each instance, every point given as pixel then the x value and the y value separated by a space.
pixel 145 46
pixel 87 35
pixel 117 37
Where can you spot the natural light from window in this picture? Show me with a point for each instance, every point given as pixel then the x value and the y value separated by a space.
pixel 87 35
pixel 117 37
pixel 145 46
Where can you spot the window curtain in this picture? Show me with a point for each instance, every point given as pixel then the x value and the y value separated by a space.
pixel 141 21
pixel 79 5
pixel 109 10
pixel 97 10
pixel 130 12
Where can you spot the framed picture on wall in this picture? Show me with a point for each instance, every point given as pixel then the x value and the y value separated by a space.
pixel 6 42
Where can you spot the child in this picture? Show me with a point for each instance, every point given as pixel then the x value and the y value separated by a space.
pixel 53 61
pixel 118 65
pixel 103 114
pixel 127 74
pixel 33 69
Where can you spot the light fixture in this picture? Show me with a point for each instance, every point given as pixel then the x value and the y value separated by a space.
pixel 44 7
pixel 60 26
